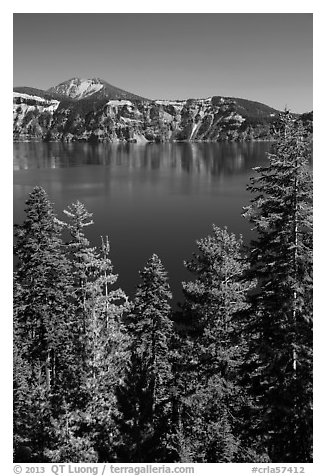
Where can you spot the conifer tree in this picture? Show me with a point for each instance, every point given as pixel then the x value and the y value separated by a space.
pixel 108 354
pixel 83 257
pixel 31 415
pixel 279 329
pixel 102 336
pixel 144 397
pixel 212 353
pixel 98 305
pixel 43 287
pixel 42 321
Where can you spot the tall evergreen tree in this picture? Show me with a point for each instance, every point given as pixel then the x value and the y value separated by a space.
pixel 42 319
pixel 280 325
pixel 83 257
pixel 144 397
pixel 93 278
pixel 212 399
pixel 108 355
pixel 99 307
pixel 102 336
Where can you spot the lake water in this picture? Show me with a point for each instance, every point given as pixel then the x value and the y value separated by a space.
pixel 151 198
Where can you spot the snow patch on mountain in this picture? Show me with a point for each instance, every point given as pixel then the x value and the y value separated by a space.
pixel 27 107
pixel 167 102
pixel 118 103
pixel 27 102
pixel 28 96
pixel 78 88
pixel 85 88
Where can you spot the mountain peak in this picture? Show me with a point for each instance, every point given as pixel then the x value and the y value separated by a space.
pixel 78 88
pixel 81 88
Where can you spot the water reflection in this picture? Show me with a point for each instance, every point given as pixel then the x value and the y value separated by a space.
pixel 149 198
pixel 213 159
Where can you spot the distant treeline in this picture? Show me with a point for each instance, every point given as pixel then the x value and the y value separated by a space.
pixel 226 378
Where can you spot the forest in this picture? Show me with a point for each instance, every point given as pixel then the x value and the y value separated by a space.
pixel 227 378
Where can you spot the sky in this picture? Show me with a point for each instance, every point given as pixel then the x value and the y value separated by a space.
pixel 263 57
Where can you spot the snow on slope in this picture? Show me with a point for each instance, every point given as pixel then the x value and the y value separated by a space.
pixel 79 88
pixel 23 101
pixel 84 89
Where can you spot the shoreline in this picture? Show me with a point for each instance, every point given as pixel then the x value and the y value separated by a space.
pixel 81 141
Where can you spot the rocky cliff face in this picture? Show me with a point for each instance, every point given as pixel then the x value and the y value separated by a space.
pixel 90 110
